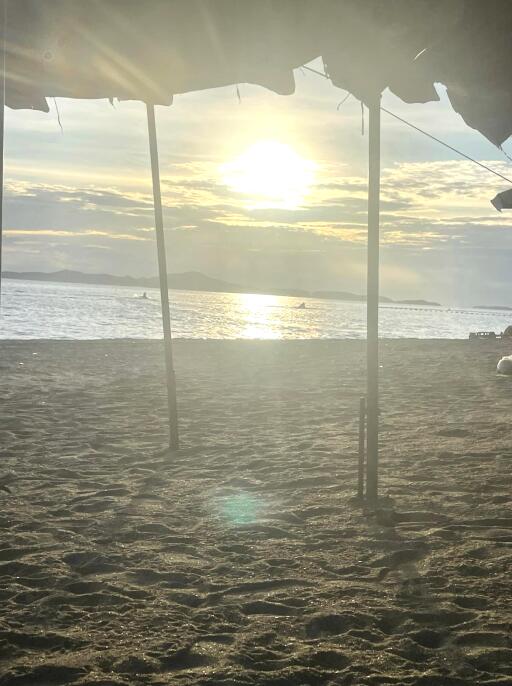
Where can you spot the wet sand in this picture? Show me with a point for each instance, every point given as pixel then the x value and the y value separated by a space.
pixel 243 559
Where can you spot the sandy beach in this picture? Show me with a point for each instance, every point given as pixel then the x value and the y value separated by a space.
pixel 243 558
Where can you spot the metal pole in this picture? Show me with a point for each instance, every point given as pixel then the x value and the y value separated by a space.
pixel 372 302
pixel 362 444
pixel 164 287
pixel 2 128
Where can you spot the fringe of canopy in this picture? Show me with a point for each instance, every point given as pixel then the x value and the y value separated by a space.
pixel 154 49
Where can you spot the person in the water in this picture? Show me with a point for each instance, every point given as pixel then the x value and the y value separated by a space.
pixel 144 296
pixel 302 306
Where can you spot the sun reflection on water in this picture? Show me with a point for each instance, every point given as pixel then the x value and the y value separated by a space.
pixel 260 315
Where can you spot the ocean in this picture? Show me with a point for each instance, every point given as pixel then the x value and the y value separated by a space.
pixel 32 309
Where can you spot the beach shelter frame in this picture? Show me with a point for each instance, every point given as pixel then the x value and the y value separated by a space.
pixel 372 307
pixel 372 273
pixel 372 302
pixel 372 279
pixel 172 404
pixel 372 297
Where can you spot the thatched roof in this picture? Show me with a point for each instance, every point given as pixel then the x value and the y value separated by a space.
pixel 152 49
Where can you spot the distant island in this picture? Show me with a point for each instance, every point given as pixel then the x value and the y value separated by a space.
pixel 196 281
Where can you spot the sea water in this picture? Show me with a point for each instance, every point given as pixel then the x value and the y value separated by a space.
pixel 32 309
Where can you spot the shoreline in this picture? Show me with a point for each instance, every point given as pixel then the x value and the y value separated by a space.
pixel 253 340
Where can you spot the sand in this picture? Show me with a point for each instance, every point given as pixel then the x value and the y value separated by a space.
pixel 243 559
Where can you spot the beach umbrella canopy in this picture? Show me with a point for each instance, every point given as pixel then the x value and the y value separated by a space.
pixel 149 50
pixel 503 200
pixel 154 49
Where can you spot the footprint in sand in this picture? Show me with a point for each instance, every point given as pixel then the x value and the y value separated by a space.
pixel 454 432
pixel 335 624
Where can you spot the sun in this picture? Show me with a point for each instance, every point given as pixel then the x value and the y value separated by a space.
pixel 270 174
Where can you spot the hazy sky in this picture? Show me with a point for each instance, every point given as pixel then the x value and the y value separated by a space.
pixel 288 212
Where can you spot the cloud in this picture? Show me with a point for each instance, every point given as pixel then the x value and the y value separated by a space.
pixel 73 234
pixel 84 199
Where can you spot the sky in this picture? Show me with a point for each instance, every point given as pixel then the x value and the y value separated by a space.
pixel 262 190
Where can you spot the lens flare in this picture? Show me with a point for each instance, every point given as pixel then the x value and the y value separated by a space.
pixel 241 508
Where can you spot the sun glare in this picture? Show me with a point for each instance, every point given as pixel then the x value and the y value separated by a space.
pixel 259 313
pixel 270 174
